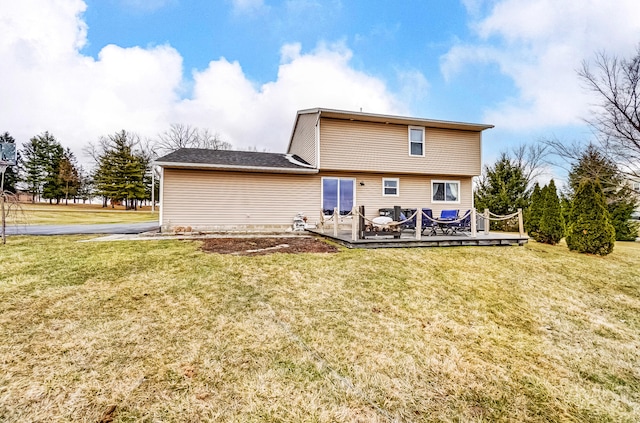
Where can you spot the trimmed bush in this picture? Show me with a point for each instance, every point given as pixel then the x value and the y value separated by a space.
pixel 552 226
pixel 533 213
pixel 590 229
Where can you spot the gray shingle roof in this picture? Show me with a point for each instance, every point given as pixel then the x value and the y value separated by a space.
pixel 192 157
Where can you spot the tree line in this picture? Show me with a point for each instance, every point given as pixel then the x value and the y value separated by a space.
pixel 595 207
pixel 122 166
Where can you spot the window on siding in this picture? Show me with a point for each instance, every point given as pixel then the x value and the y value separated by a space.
pixel 445 191
pixel 390 187
pixel 338 192
pixel 416 141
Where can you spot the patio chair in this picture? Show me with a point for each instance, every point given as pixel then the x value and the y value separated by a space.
pixel 448 215
pixel 463 225
pixel 404 215
pixel 427 223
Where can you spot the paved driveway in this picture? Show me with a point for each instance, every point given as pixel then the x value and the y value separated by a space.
pixel 105 228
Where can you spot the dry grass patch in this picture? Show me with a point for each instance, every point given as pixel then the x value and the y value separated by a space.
pixel 267 245
pixel 71 214
pixel 161 331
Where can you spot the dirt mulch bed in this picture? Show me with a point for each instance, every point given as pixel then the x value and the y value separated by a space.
pixel 263 246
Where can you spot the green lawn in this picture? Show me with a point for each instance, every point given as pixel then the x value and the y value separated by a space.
pixel 45 214
pixel 160 331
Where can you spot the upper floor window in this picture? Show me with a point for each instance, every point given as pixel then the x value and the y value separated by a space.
pixel 445 191
pixel 390 187
pixel 416 141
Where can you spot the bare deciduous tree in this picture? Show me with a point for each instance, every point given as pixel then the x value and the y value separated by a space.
pixel 616 119
pixel 185 136
pixel 531 158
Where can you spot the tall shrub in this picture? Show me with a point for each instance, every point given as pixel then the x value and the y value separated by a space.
pixel 551 222
pixel 533 213
pixel 590 229
pixel 619 199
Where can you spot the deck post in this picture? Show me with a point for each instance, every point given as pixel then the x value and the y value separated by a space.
pixel 487 222
pixel 361 223
pixel 336 217
pixel 355 219
pixel 520 223
pixel 474 231
pixel 418 224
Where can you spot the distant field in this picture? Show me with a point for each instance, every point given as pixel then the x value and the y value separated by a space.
pixel 162 331
pixel 47 214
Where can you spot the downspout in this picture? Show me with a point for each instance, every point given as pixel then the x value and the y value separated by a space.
pixel 318 140
pixel 161 199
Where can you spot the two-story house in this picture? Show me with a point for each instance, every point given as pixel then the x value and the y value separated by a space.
pixel 335 159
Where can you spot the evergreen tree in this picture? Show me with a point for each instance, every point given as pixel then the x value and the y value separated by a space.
pixel 620 201
pixel 590 230
pixel 119 176
pixel 552 225
pixel 69 175
pixel 53 185
pixel 40 165
pixel 533 213
pixel 11 173
pixel 503 189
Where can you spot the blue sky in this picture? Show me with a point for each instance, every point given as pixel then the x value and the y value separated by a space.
pixel 241 68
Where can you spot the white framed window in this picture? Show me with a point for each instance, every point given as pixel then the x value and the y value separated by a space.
pixel 390 187
pixel 416 141
pixel 445 191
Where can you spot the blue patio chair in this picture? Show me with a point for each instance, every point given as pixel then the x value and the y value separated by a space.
pixel 427 223
pixel 447 215
pixel 404 215
pixel 463 225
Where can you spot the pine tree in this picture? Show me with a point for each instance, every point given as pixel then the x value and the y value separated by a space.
pixel 52 188
pixel 68 175
pixel 119 176
pixel 503 189
pixel 590 230
pixel 533 213
pixel 552 225
pixel 41 166
pixel 619 200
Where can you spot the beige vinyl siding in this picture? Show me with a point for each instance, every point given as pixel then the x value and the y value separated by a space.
pixel 378 147
pixel 219 200
pixel 303 142
pixel 415 191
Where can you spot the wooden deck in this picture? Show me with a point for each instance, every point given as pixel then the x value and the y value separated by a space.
pixel 408 240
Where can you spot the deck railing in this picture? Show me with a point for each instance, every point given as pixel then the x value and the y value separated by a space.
pixel 356 216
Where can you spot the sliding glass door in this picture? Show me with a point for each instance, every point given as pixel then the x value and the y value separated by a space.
pixel 338 193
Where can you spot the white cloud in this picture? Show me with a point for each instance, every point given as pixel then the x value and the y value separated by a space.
pixel 539 44
pixel 47 84
pixel 262 116
pixel 247 6
pixel 147 5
